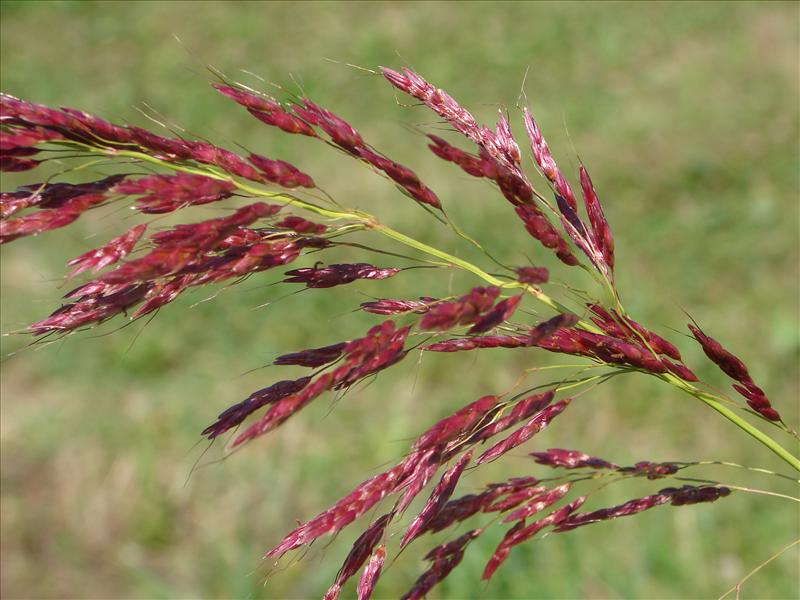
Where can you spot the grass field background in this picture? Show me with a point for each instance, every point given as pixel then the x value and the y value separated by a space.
pixel 687 117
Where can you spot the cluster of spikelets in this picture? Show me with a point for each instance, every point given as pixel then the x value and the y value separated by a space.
pixel 135 275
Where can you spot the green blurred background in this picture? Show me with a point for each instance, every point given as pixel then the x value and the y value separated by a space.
pixel 687 116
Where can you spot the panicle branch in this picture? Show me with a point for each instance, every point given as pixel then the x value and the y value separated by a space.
pixel 135 274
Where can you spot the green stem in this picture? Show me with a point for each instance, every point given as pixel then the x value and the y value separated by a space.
pixel 726 412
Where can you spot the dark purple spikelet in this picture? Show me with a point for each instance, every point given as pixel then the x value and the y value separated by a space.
pixel 458 510
pixel 422 467
pixel 382 347
pixel 314 357
pixel 532 275
pixel 356 503
pixel 570 459
pixel 501 312
pixel 545 329
pixel 338 274
pixel 236 414
pixel 182 245
pixel 727 362
pixel 651 470
pixel 301 225
pixel 689 494
pixel 17 164
pixel 284 408
pixel 23 142
pixel 440 569
pixel 52 195
pixel 631 507
pixel 108 254
pixel 452 547
pixel 680 370
pixel 402 176
pixel 378 350
pixel 685 495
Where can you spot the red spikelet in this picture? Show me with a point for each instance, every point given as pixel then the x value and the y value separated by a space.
pixel 539 503
pixel 247 98
pixel 531 428
pixel 463 311
pixel 314 357
pixel 281 172
pixel 758 401
pixel 48 219
pixel 108 254
pixel 236 414
pixel 340 274
pixel 727 362
pixel 388 306
pixel 522 409
pixel 284 120
pixel 439 496
pixel 369 577
pixel 440 569
pixel 570 459
pixel 456 424
pixel 601 231
pixel 736 369
pixel 359 553
pixel 301 225
pixel 543 158
pixel 164 193
pixel 284 408
pixel 532 275
pixel 520 533
pixel 540 228
pixel 471 343
pixel 625 328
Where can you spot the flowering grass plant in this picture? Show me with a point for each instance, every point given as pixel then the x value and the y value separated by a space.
pixel 146 267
